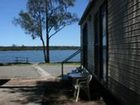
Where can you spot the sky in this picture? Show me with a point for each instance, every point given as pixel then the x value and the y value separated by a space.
pixel 15 35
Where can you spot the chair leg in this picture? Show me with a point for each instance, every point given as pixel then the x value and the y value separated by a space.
pixel 75 91
pixel 78 91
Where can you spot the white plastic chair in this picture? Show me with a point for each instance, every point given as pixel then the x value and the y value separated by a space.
pixel 82 84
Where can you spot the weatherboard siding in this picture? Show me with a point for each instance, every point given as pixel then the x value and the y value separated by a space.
pixel 124 50
pixel 123 23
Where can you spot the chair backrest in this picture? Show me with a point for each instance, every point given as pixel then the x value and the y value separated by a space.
pixel 89 78
pixel 86 73
pixel 85 70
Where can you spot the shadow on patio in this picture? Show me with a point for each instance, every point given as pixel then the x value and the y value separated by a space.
pixel 52 92
pixel 61 93
pixel 3 81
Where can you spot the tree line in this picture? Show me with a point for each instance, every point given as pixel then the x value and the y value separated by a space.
pixel 19 48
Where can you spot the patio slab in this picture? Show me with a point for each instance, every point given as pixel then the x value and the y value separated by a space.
pixel 18 71
pixel 36 85
pixel 55 69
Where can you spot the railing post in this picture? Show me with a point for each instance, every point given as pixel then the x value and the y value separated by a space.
pixel 16 60
pixel 62 70
pixel 27 60
pixel 67 59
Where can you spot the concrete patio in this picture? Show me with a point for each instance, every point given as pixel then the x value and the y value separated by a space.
pixel 38 85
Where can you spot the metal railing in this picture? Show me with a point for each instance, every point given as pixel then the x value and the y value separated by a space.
pixel 67 59
pixel 21 60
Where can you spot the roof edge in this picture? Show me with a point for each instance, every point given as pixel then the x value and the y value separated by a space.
pixel 88 8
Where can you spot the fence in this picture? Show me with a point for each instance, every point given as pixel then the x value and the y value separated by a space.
pixel 21 60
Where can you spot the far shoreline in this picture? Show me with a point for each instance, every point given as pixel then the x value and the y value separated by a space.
pixel 26 48
pixel 40 63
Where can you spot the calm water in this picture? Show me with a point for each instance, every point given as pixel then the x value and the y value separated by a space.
pixel 37 56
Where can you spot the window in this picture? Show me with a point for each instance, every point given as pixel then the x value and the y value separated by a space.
pixel 100 44
pixel 104 42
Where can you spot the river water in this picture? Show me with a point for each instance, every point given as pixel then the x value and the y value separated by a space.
pixel 36 56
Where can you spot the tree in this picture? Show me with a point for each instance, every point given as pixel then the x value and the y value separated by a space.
pixel 44 19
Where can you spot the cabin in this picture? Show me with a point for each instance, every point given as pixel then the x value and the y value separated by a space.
pixel 110 42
